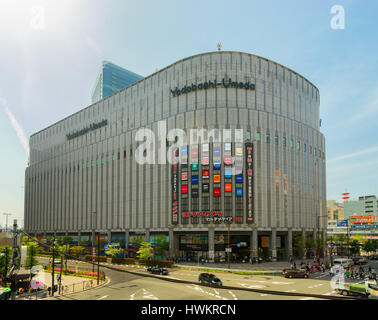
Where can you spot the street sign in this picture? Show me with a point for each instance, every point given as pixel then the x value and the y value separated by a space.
pixel 228 249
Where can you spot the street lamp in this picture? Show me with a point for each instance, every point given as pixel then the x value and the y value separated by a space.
pixel 98 249
pixel 6 223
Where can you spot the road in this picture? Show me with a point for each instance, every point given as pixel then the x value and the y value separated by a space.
pixel 126 286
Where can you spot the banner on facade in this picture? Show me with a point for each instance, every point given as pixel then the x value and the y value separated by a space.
pixel 175 196
pixel 249 180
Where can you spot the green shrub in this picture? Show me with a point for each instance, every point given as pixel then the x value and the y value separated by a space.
pixel 89 258
pixel 123 260
pixel 160 263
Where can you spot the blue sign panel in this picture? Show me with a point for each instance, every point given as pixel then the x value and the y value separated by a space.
pixel 239 192
pixel 342 223
pixel 217 166
pixel 184 150
pixel 194 179
pixel 227 173
pixel 239 178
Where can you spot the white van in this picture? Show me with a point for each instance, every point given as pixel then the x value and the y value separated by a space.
pixel 346 263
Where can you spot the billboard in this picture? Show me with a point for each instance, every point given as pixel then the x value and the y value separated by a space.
pixel 249 167
pixel 175 198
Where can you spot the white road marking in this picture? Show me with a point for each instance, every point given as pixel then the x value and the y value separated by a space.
pixel 216 292
pixel 249 286
pixel 146 295
pixel 291 290
pixel 263 295
pixel 278 282
pixel 233 295
pixel 102 297
pixel 195 287
pixel 306 298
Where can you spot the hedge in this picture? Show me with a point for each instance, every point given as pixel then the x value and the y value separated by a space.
pixel 123 260
pixel 160 263
pixel 90 258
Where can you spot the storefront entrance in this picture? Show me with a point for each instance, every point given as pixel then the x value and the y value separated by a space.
pixel 239 244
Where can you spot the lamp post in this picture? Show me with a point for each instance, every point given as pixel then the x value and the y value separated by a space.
pixel 6 221
pixel 229 248
pixel 98 249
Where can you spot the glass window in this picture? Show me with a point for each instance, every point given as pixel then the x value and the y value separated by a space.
pixel 284 141
pixel 268 138
pixel 298 145
pixel 276 139
pixel 291 143
pixel 248 135
pixel 258 136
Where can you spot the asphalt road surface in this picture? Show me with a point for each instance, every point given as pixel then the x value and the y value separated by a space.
pixel 126 286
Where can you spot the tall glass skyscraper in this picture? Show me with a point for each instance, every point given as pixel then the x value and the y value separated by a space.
pixel 112 79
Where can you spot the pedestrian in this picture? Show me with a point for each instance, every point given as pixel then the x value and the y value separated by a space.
pixel 295 265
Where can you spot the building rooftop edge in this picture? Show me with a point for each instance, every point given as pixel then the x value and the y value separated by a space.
pixel 169 66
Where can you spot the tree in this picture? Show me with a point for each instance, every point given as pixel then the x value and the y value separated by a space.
pixel 114 252
pixel 31 261
pixel 5 259
pixel 77 250
pixel 161 244
pixel 370 246
pixel 298 248
pixel 354 247
pixel 145 251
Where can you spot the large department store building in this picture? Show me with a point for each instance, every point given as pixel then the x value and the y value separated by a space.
pixel 257 182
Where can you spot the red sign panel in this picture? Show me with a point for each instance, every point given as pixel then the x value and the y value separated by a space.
pixel 216 192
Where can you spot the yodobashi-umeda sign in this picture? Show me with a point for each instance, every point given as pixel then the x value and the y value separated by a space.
pixel 213 84
pixel 202 214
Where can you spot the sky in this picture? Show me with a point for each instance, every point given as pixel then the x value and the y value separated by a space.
pixel 51 51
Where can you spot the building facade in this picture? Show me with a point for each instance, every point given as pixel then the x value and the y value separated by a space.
pixel 335 210
pixel 111 79
pixel 365 205
pixel 83 173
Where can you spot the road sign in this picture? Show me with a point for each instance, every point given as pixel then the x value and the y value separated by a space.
pixel 228 249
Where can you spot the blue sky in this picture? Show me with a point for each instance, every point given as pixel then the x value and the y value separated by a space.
pixel 48 66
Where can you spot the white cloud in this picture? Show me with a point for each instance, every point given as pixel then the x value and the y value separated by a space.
pixel 16 126
pixel 353 154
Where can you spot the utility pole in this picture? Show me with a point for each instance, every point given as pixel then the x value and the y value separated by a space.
pixel 14 260
pixel 6 223
pixel 229 248
pixel 98 258
pixel 53 267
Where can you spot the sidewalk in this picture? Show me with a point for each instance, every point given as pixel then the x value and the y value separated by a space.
pixel 267 267
pixel 69 285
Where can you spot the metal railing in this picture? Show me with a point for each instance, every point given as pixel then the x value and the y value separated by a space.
pixel 63 290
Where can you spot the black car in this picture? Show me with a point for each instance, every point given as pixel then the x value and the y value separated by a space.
pixel 209 279
pixel 295 273
pixel 157 270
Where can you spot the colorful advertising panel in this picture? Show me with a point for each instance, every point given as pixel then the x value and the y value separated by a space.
pixel 228 160
pixel 227 173
pixel 216 192
pixel 216 178
pixel 194 179
pixel 194 166
pixel 205 187
pixel 239 178
pixel 175 198
pixel 239 192
pixel 194 193
pixel 184 189
pixel 217 166
pixel 249 167
pixel 205 161
pixel 194 149
pixel 205 174
pixel 228 187
pixel 184 176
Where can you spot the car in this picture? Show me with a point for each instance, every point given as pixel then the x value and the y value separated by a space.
pixel 375 257
pixel 209 279
pixel 295 273
pixel 360 260
pixel 157 270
